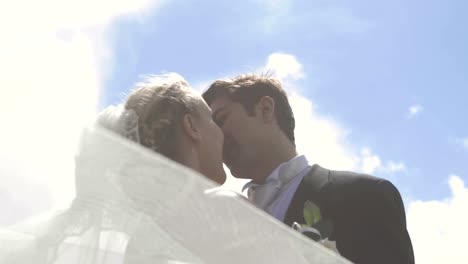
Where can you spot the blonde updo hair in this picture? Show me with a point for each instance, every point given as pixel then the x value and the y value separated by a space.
pixel 160 102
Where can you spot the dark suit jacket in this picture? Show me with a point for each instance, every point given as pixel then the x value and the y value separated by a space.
pixel 367 213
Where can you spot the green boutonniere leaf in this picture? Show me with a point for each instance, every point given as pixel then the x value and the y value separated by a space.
pixel 312 213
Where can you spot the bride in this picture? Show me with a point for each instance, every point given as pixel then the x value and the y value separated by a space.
pixel 165 115
pixel 135 203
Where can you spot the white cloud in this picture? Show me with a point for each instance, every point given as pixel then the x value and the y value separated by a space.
pixel 284 66
pixel 438 227
pixel 415 110
pixel 393 167
pixel 369 162
pixel 319 137
pixel 54 57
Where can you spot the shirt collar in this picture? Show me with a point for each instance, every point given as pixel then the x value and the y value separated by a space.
pixel 284 172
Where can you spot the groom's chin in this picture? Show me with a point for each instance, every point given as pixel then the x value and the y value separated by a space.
pixel 237 174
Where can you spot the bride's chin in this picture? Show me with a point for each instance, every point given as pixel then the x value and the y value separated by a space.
pixel 223 178
pixel 220 177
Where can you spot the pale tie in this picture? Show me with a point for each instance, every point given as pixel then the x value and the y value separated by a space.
pixel 264 195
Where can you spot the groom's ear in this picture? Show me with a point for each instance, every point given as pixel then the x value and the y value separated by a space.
pixel 265 109
pixel 190 127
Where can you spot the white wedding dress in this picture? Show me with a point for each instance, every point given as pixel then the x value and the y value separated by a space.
pixel 135 206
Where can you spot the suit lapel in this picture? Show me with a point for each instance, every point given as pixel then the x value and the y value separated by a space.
pixel 311 188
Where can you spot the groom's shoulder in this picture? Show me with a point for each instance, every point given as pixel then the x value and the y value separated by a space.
pixel 354 185
pixel 353 179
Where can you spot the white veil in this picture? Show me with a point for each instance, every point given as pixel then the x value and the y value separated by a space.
pixel 135 206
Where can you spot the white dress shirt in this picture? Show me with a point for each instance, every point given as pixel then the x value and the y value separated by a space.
pixel 275 195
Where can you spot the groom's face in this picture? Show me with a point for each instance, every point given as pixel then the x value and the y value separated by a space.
pixel 242 134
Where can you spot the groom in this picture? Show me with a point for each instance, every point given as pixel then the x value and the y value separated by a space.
pixel 363 214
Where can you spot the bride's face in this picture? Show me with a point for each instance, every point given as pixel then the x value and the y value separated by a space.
pixel 211 147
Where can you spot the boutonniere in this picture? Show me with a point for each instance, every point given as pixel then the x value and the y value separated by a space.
pixel 316 227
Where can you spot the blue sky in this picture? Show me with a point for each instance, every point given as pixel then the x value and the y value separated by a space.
pixel 376 86
pixel 365 64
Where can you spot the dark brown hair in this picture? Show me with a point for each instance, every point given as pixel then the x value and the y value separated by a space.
pixel 248 89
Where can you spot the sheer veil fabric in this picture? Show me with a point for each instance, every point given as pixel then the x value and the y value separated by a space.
pixel 135 206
